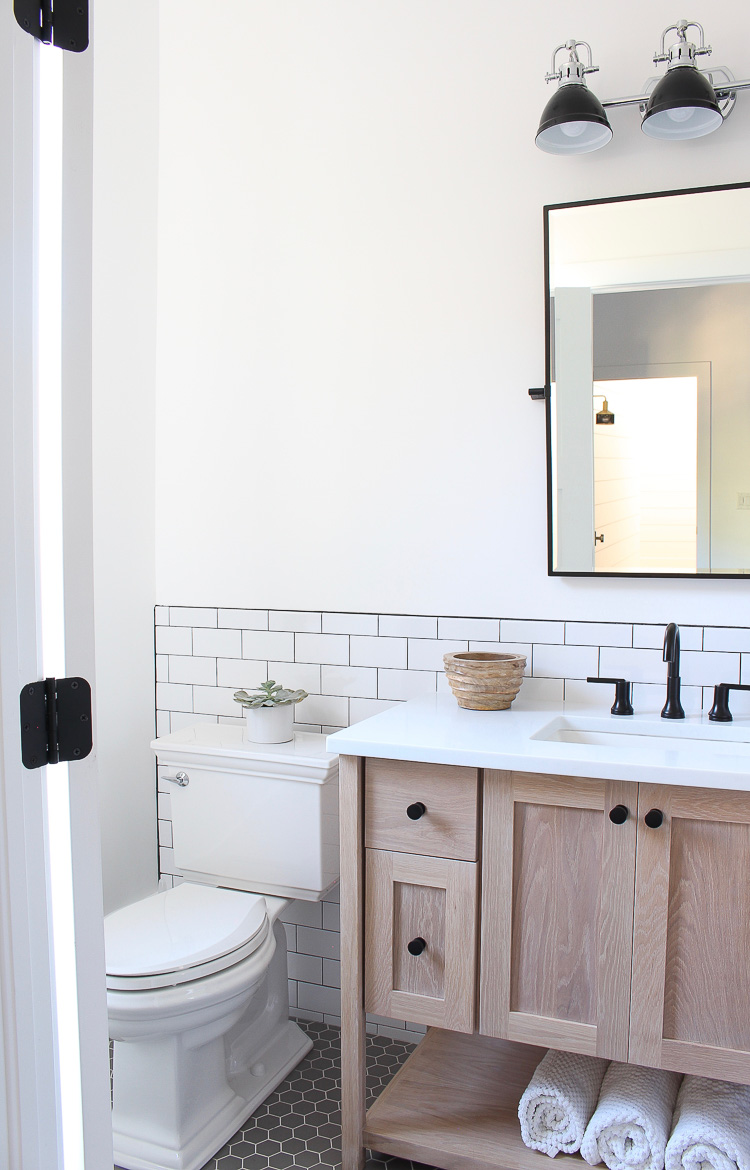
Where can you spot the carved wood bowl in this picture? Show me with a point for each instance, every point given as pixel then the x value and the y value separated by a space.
pixel 485 681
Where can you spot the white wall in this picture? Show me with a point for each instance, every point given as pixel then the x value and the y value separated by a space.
pixel 124 331
pixel 351 299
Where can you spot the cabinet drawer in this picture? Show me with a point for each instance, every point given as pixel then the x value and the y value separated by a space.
pixel 396 791
pixel 430 903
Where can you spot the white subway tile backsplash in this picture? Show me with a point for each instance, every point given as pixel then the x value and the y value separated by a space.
pixel 590 695
pixel 318 998
pixel 268 645
pixel 183 669
pixel 427 653
pixel 405 684
pixel 218 643
pixel 308 968
pixel 358 681
pixel 380 651
pixel 174 640
pixel 174 697
pixel 532 631
pixel 312 651
pixel 398 626
pixel 180 615
pixel 350 623
pixel 325 943
pixel 706 669
pixel 636 665
pixel 735 639
pixel 541 690
pixel 332 649
pixel 598 634
pixel 331 973
pixel 564 661
pixel 241 673
pixel 296 620
pixel 297 676
pixel 244 619
pixel 483 629
pixel 215 701
pixel 323 709
pixel 180 719
pixel 331 916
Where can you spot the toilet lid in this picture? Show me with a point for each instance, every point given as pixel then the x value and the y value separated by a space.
pixel 165 938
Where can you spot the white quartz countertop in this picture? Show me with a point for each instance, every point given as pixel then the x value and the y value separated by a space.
pixel 559 740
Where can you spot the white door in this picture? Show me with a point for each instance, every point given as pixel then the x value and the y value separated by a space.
pixel 54 1085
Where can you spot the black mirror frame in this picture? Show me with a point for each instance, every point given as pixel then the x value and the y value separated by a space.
pixel 548 207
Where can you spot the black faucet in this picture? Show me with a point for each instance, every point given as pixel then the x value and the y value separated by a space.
pixel 672 709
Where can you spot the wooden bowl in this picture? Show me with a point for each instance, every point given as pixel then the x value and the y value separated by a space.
pixel 485 681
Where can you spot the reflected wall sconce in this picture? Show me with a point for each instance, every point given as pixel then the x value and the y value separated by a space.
pixel 687 102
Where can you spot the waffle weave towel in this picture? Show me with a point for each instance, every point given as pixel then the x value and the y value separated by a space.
pixel 711 1126
pixel 633 1118
pixel 558 1101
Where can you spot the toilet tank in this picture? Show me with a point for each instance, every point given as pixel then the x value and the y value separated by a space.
pixel 260 817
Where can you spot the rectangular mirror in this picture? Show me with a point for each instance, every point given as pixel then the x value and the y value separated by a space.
pixel 648 368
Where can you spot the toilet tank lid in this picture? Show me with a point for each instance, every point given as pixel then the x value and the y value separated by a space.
pixel 179 928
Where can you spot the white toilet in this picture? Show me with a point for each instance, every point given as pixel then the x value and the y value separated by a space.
pixel 197 975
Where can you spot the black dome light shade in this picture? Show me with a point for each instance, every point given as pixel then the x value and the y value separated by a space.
pixel 682 105
pixel 573 122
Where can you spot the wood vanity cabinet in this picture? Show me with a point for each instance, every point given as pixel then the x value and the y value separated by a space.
pixel 600 917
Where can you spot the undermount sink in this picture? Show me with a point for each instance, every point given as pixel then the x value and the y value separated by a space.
pixel 633 734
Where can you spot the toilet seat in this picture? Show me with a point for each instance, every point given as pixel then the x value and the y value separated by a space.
pixel 181 935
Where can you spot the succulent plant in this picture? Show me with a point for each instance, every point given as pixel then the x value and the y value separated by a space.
pixel 269 694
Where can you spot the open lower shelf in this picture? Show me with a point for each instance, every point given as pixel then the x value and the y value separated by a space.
pixel 454 1104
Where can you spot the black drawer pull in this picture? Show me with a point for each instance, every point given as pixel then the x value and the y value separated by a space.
pixel 619 814
pixel 654 818
pixel 416 810
pixel 416 946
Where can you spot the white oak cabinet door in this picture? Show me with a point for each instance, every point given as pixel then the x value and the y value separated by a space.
pixel 691 945
pixel 558 858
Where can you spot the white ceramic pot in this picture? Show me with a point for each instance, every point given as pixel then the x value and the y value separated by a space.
pixel 270 724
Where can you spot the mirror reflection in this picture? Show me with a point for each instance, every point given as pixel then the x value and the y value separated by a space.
pixel 649 367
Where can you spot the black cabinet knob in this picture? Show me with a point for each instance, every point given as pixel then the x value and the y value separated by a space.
pixel 416 810
pixel 619 814
pixel 416 946
pixel 654 818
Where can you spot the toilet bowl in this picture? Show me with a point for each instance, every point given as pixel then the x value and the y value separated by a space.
pixel 197 991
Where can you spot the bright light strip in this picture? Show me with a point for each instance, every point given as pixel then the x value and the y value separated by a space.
pixel 49 473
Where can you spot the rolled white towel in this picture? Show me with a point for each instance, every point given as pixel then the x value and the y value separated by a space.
pixel 558 1101
pixel 631 1122
pixel 711 1126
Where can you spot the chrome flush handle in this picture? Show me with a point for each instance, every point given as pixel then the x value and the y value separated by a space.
pixel 180 778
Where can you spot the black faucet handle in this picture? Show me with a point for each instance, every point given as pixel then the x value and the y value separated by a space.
pixel 622 704
pixel 720 712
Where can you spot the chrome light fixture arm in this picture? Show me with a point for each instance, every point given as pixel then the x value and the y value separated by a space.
pixel 683 52
pixel 573 70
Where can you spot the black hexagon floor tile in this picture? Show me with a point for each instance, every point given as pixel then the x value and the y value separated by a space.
pixel 299 1126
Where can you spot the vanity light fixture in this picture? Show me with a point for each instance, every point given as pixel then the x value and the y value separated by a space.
pixel 687 102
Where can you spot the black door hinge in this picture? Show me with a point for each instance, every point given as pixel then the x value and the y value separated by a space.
pixel 64 23
pixel 55 721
